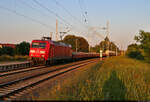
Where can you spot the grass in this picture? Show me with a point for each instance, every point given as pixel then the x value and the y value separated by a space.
pixel 4 58
pixel 71 85
pixel 116 78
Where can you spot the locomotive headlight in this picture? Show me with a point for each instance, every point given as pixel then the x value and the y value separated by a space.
pixel 42 55
pixel 32 51
pixel 42 52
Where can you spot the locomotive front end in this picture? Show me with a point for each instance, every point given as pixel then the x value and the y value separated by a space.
pixel 38 52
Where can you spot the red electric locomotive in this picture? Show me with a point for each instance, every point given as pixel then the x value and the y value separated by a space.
pixel 46 51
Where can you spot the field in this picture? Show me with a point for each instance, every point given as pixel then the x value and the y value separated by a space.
pixel 116 78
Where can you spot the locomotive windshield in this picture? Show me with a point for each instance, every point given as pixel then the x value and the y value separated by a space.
pixel 38 45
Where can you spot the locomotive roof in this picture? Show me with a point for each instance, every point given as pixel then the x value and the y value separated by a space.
pixel 56 43
pixel 61 44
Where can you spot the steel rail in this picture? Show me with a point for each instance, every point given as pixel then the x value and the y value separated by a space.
pixel 34 68
pixel 12 88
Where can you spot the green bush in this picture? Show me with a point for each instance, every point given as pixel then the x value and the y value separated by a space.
pixel 141 49
pixel 136 55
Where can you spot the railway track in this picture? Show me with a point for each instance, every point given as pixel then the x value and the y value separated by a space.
pixel 14 66
pixel 29 72
pixel 35 68
pixel 10 90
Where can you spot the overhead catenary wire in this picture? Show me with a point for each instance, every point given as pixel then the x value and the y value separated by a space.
pixel 85 15
pixel 82 11
pixel 50 11
pixel 67 11
pixel 27 17
pixel 86 12
pixel 42 13
pixel 48 8
pixel 96 33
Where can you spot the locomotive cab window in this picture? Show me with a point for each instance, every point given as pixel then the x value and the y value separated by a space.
pixel 38 45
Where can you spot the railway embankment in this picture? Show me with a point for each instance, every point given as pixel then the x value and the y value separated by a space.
pixel 115 78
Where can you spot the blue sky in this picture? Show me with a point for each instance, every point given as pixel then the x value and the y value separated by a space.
pixel 126 18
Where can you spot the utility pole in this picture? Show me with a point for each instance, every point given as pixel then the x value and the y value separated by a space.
pixel 107 28
pixel 103 47
pixel 89 48
pixel 51 33
pixel 116 51
pixel 76 45
pixel 56 30
pixel 108 36
pixel 111 45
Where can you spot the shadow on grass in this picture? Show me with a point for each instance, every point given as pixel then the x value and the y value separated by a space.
pixel 114 89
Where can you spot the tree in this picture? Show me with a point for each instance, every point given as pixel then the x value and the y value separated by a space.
pixel 113 47
pixel 107 44
pixel 82 44
pixel 103 45
pixel 7 51
pixel 70 39
pixel 96 48
pixel 141 49
pixel 22 48
pixel 144 40
pixel 107 39
pixel 1 51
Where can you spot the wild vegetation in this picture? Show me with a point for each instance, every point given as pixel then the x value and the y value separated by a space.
pixel 141 49
pixel 116 78
pixel 20 52
pixel 13 58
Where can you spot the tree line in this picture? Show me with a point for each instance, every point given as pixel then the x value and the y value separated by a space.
pixel 82 44
pixel 105 45
pixel 141 49
pixel 20 49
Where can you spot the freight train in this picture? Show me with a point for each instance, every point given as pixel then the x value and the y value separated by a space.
pixel 46 51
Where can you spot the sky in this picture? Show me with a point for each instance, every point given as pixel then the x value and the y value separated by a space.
pixel 26 20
